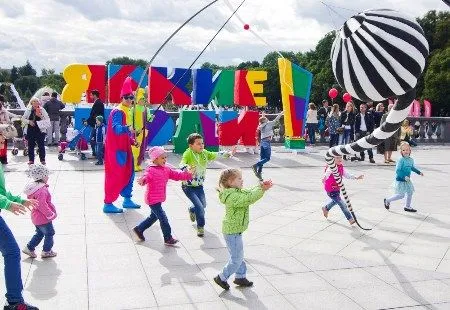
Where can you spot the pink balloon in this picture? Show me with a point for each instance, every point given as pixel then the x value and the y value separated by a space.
pixel 347 97
pixel 333 93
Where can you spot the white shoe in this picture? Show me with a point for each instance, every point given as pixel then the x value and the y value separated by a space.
pixel 27 251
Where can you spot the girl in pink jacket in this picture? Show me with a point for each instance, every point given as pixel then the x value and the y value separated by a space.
pixel 333 191
pixel 156 177
pixel 42 215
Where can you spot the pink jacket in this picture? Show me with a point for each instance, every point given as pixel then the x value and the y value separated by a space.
pixel 156 178
pixel 45 212
pixel 329 181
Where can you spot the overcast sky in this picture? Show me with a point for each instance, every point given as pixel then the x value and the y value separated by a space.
pixel 54 33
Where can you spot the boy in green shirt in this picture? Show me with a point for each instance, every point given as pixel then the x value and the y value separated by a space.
pixel 8 245
pixel 196 156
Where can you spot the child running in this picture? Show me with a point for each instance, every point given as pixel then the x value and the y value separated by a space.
pixel 197 157
pixel 333 191
pixel 44 213
pixel 156 177
pixel 403 185
pixel 9 247
pixel 237 202
pixel 265 129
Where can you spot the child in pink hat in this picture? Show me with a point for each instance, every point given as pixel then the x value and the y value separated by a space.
pixel 155 178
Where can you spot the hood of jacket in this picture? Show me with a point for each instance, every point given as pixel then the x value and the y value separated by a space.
pixel 225 193
pixel 33 187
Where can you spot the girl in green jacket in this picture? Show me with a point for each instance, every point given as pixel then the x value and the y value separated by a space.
pixel 237 201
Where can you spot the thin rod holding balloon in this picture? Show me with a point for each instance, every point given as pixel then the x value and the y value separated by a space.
pixel 169 38
pixel 200 54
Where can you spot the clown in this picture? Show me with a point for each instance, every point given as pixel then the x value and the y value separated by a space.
pixel 140 115
pixel 119 169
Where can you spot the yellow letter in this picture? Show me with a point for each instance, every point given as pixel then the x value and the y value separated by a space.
pixel 257 88
pixel 77 77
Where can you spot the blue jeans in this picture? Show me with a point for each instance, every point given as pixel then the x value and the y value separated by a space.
pixel 99 151
pixel 401 196
pixel 236 264
pixel 345 137
pixel 196 195
pixel 11 256
pixel 336 200
pixel 45 232
pixel 334 139
pixel 157 214
pixel 264 154
pixel 312 132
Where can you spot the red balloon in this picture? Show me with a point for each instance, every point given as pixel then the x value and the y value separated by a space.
pixel 347 97
pixel 333 93
pixel 246 26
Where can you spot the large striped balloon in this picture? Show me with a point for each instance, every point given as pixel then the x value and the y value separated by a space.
pixel 379 54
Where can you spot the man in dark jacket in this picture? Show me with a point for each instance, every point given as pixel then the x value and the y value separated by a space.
pixel 53 108
pixel 98 109
pixel 322 114
pixel 364 125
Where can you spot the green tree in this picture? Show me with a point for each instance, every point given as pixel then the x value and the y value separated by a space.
pixel 51 79
pixel 27 70
pixel 124 60
pixel 14 74
pixel 27 83
pixel 437 81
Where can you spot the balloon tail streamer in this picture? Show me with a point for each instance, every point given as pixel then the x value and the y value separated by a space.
pixel 393 122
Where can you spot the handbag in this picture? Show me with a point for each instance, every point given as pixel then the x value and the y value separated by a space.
pixel 8 131
pixel 340 130
pixel 44 124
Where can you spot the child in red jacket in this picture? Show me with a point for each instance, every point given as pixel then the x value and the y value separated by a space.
pixel 43 215
pixel 156 177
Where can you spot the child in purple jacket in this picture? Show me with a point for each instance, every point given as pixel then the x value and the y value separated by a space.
pixel 43 215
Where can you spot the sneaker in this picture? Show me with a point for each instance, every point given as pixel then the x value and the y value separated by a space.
pixel 171 241
pixel 325 212
pixel 48 254
pixel 391 161
pixel 255 171
pixel 222 284
pixel 43 163
pixel 20 306
pixel 191 215
pixel 31 163
pixel 243 282
pixel 138 234
pixel 372 161
pixel 386 204
pixel 410 209
pixel 30 253
pixel 200 232
pixel 351 221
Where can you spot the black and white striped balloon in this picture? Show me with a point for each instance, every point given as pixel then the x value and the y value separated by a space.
pixel 379 54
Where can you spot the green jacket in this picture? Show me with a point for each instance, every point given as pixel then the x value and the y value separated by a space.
pixel 6 198
pixel 200 161
pixel 237 203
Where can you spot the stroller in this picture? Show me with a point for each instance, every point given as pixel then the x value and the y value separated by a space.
pixel 19 142
pixel 78 142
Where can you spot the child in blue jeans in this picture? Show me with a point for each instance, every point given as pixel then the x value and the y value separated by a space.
pixel 237 201
pixel 197 158
pixel 9 248
pixel 99 137
pixel 265 129
pixel 333 191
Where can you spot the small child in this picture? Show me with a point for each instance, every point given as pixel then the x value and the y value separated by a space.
pixel 156 177
pixel 333 191
pixel 403 185
pixel 44 213
pixel 237 202
pixel 99 137
pixel 197 157
pixel 9 247
pixel 265 129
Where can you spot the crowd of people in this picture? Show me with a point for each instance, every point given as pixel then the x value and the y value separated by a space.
pixel 346 126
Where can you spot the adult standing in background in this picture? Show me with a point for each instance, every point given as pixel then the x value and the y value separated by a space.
pixel 34 135
pixel 53 108
pixel 311 123
pixel 98 109
pixel 378 114
pixel 5 119
pixel 322 114
pixel 389 145
pixel 364 127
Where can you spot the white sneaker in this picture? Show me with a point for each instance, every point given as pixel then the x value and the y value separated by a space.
pixel 27 251
pixel 48 254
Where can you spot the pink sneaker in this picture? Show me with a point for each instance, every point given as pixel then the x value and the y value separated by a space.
pixel 27 251
pixel 48 254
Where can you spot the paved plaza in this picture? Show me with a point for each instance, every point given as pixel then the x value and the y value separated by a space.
pixel 296 258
